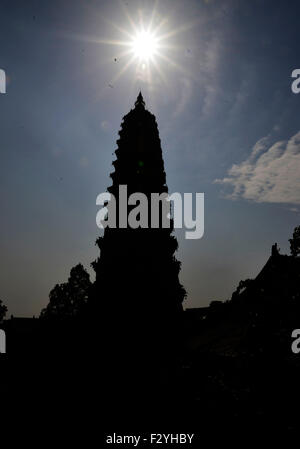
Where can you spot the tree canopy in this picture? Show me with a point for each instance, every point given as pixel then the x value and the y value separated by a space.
pixel 3 310
pixel 295 242
pixel 68 300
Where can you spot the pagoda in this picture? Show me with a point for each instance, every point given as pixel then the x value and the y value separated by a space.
pixel 137 288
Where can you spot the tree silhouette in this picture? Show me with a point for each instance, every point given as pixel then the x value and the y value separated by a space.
pixel 3 310
pixel 295 242
pixel 243 285
pixel 69 299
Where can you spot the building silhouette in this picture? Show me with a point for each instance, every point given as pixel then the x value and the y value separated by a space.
pixel 137 294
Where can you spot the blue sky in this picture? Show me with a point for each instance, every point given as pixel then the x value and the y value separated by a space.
pixel 228 124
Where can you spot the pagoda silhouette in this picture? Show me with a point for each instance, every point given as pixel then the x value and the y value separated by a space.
pixel 137 294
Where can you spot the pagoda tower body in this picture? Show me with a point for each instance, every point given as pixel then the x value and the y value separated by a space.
pixel 137 289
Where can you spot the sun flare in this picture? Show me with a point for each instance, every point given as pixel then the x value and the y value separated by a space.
pixel 144 46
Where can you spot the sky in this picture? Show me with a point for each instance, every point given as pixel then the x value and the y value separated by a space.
pixel 220 88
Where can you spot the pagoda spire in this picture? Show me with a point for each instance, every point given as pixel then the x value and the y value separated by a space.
pixel 140 101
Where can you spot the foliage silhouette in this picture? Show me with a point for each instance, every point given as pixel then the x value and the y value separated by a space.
pixel 69 300
pixel 295 242
pixel 3 310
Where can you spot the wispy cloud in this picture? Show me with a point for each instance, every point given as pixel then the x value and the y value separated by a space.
pixel 184 96
pixel 271 174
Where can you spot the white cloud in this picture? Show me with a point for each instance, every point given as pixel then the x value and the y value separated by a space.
pixel 271 174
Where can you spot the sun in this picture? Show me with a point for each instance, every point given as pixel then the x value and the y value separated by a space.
pixel 144 45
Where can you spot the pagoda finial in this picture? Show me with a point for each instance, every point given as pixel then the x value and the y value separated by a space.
pixel 140 100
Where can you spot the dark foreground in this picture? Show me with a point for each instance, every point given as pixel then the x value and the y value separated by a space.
pixel 232 376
